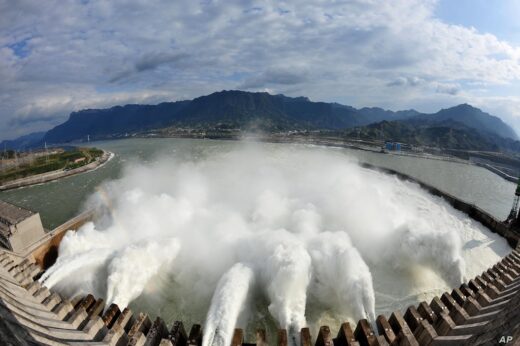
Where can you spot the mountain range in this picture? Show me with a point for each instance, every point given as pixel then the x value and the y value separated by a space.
pixel 269 113
pixel 26 141
pixel 446 134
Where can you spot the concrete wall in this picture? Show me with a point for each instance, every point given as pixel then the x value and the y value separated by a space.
pixel 498 172
pixel 45 252
pixel 26 232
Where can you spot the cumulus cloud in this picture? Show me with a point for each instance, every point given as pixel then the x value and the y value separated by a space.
pixel 56 56
pixel 275 77
pixel 406 81
pixel 448 88
pixel 148 62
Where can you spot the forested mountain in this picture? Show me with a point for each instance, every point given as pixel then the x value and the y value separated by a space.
pixel 468 126
pixel 236 109
pixel 446 134
pixel 22 142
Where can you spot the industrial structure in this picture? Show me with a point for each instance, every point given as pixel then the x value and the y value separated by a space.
pixel 392 146
pixel 19 227
pixel 483 311
pixel 512 219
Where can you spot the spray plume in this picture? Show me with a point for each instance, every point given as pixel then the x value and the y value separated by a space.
pixel 132 267
pixel 227 303
pixel 307 226
pixel 341 279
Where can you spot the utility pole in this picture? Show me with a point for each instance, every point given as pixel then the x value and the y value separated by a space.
pixel 46 154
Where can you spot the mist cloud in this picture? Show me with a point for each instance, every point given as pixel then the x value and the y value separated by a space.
pixel 289 227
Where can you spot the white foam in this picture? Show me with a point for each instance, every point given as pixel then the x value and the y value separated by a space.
pixel 227 303
pixel 311 226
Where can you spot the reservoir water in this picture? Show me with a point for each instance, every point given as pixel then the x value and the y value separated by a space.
pixel 58 201
pixel 263 235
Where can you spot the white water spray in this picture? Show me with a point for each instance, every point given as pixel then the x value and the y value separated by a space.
pixel 286 275
pixel 131 269
pixel 71 265
pixel 341 279
pixel 227 303
pixel 311 225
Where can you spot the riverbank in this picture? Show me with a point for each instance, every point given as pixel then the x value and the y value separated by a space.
pixel 304 139
pixel 497 172
pixel 336 143
pixel 58 174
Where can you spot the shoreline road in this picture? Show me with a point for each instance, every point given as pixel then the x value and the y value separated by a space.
pixel 58 174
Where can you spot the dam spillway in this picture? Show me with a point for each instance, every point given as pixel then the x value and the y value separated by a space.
pixel 480 311
pixel 305 212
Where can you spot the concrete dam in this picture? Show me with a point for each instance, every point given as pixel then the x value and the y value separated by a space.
pixel 484 310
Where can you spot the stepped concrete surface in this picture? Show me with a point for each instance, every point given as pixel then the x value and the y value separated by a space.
pixel 483 311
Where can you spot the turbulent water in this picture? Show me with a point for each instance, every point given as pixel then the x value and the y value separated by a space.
pixel 274 238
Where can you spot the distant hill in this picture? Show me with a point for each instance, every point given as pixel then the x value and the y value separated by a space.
pixel 235 109
pixel 446 134
pixel 100 123
pixel 266 112
pixel 23 142
pixel 474 118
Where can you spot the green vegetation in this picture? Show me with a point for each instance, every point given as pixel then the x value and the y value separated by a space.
pixel 38 163
pixel 448 134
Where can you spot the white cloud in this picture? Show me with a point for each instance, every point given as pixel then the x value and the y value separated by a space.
pixel 447 88
pixel 363 52
pixel 406 81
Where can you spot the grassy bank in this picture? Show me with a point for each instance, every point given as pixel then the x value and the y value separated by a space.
pixel 64 160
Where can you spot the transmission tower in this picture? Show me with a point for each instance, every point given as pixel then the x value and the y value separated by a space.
pixel 513 214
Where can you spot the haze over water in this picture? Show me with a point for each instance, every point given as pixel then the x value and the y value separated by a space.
pixel 470 183
pixel 261 235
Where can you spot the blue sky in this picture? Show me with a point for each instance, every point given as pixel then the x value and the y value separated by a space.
pixel 498 17
pixel 58 56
